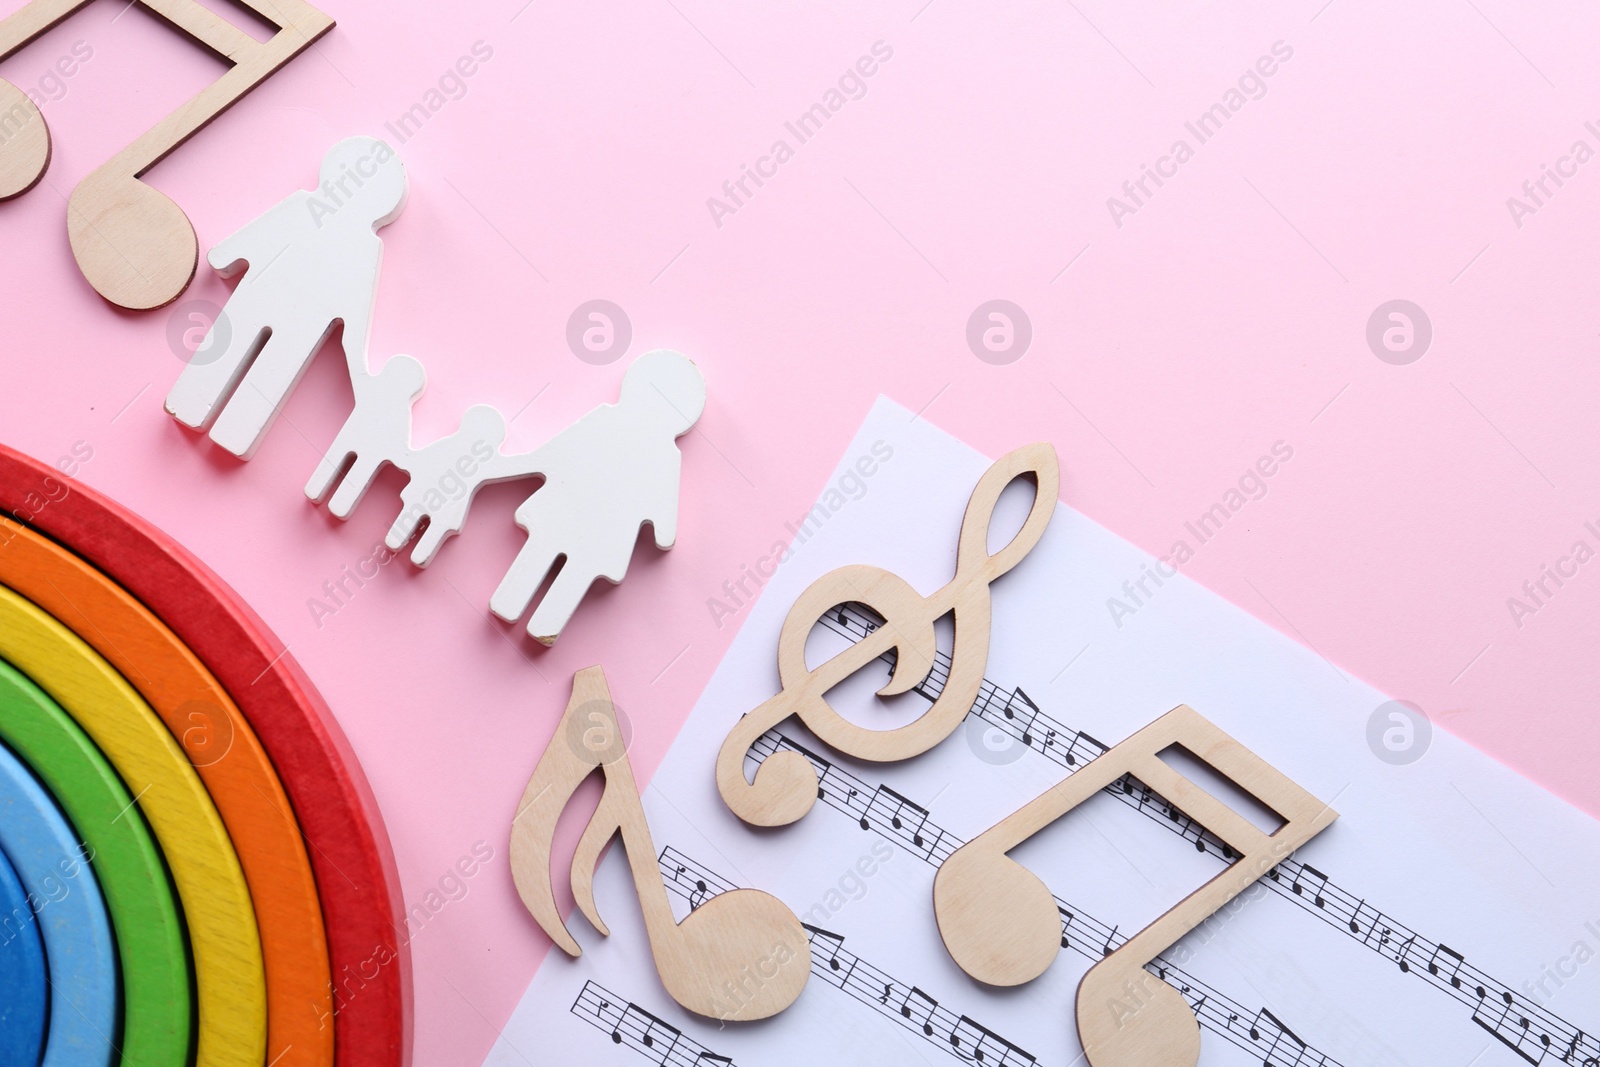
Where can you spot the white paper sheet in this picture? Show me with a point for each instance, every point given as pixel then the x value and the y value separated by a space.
pixel 1453 848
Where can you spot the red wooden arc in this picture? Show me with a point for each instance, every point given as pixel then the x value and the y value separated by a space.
pixel 357 881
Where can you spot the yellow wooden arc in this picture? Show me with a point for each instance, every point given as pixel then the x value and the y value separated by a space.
pixel 229 975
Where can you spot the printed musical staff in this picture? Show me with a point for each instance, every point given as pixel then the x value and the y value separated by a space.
pixel 1511 1026
pixel 905 1004
pixel 1310 882
pixel 904 817
pixel 919 1008
pixel 1081 933
pixel 628 1024
pixel 1286 1050
pixel 982 1045
pixel 1067 919
pixel 1309 889
pixel 1446 963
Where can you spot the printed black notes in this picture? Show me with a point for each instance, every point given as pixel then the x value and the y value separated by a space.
pixel 785 784
pixel 1002 926
pixel 739 955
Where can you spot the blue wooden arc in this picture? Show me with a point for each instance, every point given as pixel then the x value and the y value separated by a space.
pixel 23 994
pixel 70 913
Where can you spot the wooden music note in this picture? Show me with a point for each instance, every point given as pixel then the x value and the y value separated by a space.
pixel 132 243
pixel 740 955
pixel 785 784
pixel 1002 926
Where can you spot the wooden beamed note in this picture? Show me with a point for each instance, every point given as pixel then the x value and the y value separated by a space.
pixel 133 244
pixel 1000 923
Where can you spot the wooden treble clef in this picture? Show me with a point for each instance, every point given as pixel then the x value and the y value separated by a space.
pixel 785 784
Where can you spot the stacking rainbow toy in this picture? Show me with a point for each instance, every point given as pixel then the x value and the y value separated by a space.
pixel 192 867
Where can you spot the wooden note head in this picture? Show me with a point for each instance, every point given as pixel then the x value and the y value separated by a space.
pixel 1127 1017
pixel 24 142
pixel 740 955
pixel 133 244
pixel 997 918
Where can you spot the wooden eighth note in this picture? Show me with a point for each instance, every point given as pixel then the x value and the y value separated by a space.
pixel 786 784
pixel 740 955
pixel 133 244
pixel 1002 926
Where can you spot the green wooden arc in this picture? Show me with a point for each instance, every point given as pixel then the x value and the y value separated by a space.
pixel 152 951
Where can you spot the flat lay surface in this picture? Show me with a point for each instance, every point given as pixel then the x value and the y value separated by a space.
pixel 1299 293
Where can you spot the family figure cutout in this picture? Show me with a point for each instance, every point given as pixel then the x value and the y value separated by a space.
pixel 997 919
pixel 311 264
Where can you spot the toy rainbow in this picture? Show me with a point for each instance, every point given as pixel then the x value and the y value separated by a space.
pixel 183 797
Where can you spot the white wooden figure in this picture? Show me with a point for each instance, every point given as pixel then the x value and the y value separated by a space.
pixel 313 264
pixel 378 431
pixel 445 476
pixel 605 475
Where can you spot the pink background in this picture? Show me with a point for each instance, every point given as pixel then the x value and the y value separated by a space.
pixel 1227 313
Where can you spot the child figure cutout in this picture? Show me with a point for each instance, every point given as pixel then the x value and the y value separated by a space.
pixel 442 476
pixel 313 264
pixel 605 475
pixel 445 476
pixel 378 431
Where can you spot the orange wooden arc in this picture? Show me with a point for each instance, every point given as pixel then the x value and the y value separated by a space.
pixel 231 763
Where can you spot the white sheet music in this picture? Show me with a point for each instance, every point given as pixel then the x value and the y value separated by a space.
pixel 1448 917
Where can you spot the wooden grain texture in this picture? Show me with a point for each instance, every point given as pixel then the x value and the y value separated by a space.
pixel 230 983
pixel 152 953
pixel 230 761
pixel 785 784
pixel 25 147
pixel 132 243
pixel 25 1005
pixel 741 955
pixel 1001 924
pixel 71 918
pixel 350 852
